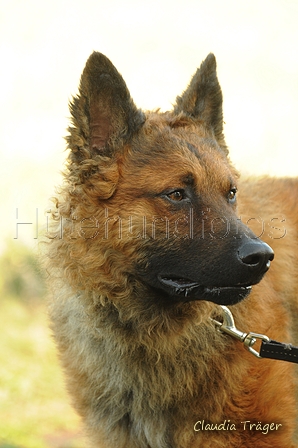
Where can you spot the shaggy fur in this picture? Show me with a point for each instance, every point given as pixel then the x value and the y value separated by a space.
pixel 140 225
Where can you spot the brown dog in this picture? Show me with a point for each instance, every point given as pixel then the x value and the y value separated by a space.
pixel 148 243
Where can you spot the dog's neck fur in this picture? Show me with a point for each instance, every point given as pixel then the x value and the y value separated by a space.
pixel 113 358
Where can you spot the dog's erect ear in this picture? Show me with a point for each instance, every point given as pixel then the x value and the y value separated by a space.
pixel 203 98
pixel 103 114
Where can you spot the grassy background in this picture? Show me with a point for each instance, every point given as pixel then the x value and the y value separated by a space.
pixel 34 406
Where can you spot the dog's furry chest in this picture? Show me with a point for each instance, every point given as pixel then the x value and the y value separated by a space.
pixel 138 386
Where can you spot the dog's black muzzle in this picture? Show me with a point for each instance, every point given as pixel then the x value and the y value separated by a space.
pixel 223 273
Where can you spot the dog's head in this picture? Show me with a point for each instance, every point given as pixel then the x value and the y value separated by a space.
pixel 152 197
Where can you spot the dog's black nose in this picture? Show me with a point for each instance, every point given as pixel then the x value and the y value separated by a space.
pixel 256 254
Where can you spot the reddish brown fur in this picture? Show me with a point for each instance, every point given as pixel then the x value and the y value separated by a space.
pixel 142 373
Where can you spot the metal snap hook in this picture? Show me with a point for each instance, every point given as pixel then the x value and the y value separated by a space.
pixel 228 327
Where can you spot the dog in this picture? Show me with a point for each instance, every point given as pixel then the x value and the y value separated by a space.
pixel 153 232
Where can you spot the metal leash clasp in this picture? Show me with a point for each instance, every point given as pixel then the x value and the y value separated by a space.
pixel 228 327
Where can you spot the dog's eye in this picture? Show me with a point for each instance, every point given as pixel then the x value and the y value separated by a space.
pixel 232 195
pixel 176 196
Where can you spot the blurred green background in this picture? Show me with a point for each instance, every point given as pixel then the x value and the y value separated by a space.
pixel 34 406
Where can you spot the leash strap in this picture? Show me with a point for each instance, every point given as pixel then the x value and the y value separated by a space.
pixel 269 348
pixel 277 350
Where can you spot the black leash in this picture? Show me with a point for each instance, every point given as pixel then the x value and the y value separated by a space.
pixel 269 348
pixel 278 350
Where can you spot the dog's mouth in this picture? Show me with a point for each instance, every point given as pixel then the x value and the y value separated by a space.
pixel 189 290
